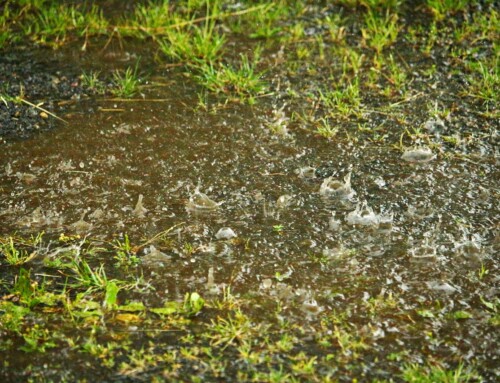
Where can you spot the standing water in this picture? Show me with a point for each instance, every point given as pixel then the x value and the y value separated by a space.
pixel 188 244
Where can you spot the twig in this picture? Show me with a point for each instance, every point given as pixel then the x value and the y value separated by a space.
pixel 42 109
pixel 165 232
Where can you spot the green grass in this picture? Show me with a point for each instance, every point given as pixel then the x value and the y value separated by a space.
pixel 92 82
pixel 343 102
pixel 380 32
pixel 14 255
pixel 244 80
pixel 55 25
pixel 196 45
pixel 443 8
pixel 415 373
pixel 126 82
pixel 484 80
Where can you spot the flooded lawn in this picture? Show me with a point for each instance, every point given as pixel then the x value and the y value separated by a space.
pixel 334 220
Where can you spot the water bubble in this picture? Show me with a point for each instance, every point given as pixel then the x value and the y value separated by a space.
pixel 81 226
pixel 155 257
pixel 363 215
pixel 225 233
pixel 333 223
pixel 199 201
pixel 418 155
pixel 139 209
pixel 442 286
pixel 306 172
pixel 332 187
pixel 284 201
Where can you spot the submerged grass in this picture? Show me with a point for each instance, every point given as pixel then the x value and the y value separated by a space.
pixel 215 337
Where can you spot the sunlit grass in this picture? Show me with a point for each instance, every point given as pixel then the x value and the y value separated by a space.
pixel 245 81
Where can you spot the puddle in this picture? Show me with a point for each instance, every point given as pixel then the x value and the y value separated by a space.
pixel 392 241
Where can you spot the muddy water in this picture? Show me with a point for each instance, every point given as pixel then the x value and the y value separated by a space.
pixel 417 230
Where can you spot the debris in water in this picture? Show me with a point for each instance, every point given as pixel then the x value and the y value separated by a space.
pixel 225 233
pixel 334 188
pixel 418 155
pixel 444 287
pixel 139 210
pixel 8 169
pixel 97 214
pixel 27 178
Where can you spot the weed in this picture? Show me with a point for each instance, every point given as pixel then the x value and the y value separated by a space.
pixel 430 39
pixel 442 8
pixel 485 80
pixel 124 255
pixel 194 45
pixel 12 316
pixel 325 129
pixel 91 279
pixel 380 32
pixel 336 28
pixel 343 101
pixel 349 342
pixel 264 24
pixel 193 303
pixel 15 256
pixel 91 81
pixel 244 81
pixel 352 62
pixel 126 83
pixel 52 24
pixel 414 373
pixel 483 271
pixel 150 19
pixel 37 339
pixel 234 329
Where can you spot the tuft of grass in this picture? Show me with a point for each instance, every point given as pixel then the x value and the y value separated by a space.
pixel 484 80
pixel 53 25
pixel 442 8
pixel 150 19
pixel 126 83
pixel 14 255
pixel 244 81
pixel 380 31
pixel 194 44
pixel 92 82
pixel 325 129
pixel 415 373
pixel 342 101
pixel 263 24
